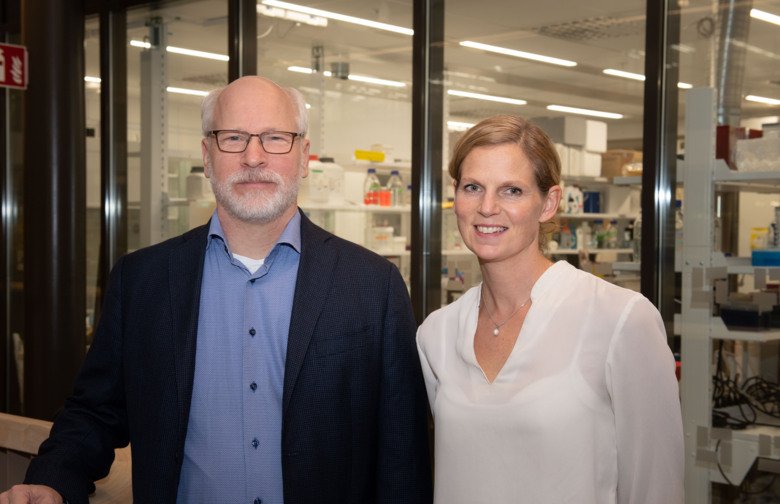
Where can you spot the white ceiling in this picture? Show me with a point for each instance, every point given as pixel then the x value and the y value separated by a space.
pixel 597 34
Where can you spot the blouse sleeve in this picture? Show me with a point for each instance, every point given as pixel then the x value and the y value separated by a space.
pixel 645 400
pixel 431 383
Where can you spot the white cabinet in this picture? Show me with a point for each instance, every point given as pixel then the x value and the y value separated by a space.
pixel 715 454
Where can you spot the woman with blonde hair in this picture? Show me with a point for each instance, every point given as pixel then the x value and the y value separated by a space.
pixel 546 383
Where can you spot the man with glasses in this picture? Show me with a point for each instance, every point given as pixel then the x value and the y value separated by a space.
pixel 256 359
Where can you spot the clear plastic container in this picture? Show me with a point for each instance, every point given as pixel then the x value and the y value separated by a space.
pixel 396 187
pixel 371 188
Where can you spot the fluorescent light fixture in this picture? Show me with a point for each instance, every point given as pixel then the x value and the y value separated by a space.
pixel 185 91
pixel 639 77
pixel 298 17
pixel 586 112
pixel 762 99
pixel 307 70
pixel 197 54
pixel 625 75
pixel 765 16
pixel 374 80
pixel 181 50
pixel 352 77
pixel 458 126
pixel 518 54
pixel 93 80
pixel 338 17
pixel 478 96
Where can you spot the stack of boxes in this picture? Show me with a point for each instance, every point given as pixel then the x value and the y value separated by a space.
pixel 579 141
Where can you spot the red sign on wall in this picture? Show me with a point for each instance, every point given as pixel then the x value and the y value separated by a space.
pixel 13 66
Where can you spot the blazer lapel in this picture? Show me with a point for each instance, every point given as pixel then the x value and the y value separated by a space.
pixel 186 273
pixel 315 273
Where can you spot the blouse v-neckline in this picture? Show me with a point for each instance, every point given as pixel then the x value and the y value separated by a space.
pixel 525 336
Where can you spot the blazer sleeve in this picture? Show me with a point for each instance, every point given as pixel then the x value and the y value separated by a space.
pixel 403 466
pixel 93 422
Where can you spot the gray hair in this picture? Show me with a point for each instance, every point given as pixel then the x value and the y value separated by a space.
pixel 209 104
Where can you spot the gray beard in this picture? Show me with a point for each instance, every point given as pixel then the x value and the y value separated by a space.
pixel 253 207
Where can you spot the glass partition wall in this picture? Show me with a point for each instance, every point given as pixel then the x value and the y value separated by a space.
pixel 576 69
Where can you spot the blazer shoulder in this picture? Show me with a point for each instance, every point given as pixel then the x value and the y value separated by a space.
pixel 159 252
pixel 350 254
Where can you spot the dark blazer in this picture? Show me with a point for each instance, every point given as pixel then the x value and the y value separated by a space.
pixel 354 412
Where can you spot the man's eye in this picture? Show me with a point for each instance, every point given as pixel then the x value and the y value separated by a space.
pixel 234 138
pixel 470 187
pixel 514 191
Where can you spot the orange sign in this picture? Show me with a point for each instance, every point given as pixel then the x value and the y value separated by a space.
pixel 13 66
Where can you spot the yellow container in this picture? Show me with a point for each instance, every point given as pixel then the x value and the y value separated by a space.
pixel 368 155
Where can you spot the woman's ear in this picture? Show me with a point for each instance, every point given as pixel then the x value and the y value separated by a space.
pixel 551 202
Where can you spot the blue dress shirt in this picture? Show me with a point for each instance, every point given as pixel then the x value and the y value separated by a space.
pixel 232 453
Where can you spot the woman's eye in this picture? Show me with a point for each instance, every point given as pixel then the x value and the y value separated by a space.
pixel 470 187
pixel 514 191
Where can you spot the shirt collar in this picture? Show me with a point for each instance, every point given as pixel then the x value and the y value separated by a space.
pixel 290 236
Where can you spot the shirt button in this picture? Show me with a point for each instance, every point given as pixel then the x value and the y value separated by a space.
pixel 253 386
pixel 252 280
pixel 258 501
pixel 252 332
pixel 255 443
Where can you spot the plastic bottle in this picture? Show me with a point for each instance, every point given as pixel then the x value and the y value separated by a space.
pixel 600 234
pixel 371 188
pixel 396 187
pixel 584 234
pixel 612 235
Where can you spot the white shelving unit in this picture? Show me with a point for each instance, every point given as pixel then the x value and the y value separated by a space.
pixel 710 451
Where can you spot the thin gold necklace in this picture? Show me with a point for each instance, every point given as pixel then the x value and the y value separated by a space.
pixel 497 326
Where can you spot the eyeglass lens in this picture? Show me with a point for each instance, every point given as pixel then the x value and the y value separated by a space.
pixel 274 142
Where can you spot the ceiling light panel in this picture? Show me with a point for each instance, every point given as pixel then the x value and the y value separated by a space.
pixel 338 17
pixel 485 97
pixel 585 112
pixel 518 54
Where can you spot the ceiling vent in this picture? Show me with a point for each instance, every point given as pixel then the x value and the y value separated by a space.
pixel 595 28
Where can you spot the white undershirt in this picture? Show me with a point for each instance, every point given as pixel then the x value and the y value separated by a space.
pixel 586 408
pixel 251 264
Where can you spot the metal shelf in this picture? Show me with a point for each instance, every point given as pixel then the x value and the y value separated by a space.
pixel 752 181
pixel 719 331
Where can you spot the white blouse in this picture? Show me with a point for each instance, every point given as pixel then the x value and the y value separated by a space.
pixel 585 410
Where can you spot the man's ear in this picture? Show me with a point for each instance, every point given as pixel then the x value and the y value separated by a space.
pixel 305 156
pixel 204 151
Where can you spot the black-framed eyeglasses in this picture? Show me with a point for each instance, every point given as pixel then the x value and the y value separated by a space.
pixel 273 142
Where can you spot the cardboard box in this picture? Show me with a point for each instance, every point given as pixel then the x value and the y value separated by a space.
pixel 613 161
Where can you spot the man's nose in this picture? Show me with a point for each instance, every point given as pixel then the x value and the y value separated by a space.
pixel 254 153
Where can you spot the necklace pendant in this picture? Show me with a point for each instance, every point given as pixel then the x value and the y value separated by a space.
pixel 495 331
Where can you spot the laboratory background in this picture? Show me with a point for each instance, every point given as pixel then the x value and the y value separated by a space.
pixel 665 115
